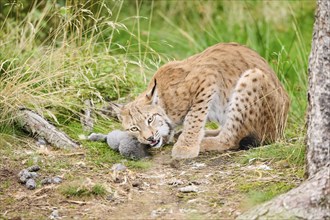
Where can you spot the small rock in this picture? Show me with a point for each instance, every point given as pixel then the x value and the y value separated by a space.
pixel 41 141
pixel 188 189
pixel 264 167
pixel 198 165
pixel 175 182
pixel 81 164
pixel 54 215
pixel 110 197
pixel 46 181
pixel 136 184
pixel 50 180
pixel 34 168
pixel 30 184
pixel 33 175
pixel 118 167
pixel 56 180
pixel 24 175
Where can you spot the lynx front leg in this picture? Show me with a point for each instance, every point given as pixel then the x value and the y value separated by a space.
pixel 189 141
pixel 188 144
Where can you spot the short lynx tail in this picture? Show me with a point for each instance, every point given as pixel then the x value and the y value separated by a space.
pixel 97 137
pixel 248 142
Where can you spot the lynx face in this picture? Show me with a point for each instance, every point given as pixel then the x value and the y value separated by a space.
pixel 148 123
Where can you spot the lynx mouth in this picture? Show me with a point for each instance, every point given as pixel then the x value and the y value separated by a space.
pixel 156 143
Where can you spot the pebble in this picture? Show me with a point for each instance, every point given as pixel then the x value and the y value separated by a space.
pixel 118 167
pixel 30 184
pixel 34 168
pixel 25 175
pixel 264 167
pixel 175 182
pixel 54 215
pixel 50 180
pixel 198 165
pixel 136 184
pixel 41 142
pixel 188 189
pixel 46 181
pixel 56 179
pixel 33 175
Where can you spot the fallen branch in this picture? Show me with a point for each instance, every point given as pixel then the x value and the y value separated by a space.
pixel 41 128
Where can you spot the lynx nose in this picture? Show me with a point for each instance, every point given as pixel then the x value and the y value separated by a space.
pixel 151 138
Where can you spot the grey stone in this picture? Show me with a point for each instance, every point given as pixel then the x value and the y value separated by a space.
pixel 30 184
pixel 118 167
pixel 33 175
pixel 24 175
pixel 56 180
pixel 46 181
pixel 50 180
pixel 34 168
pixel 41 141
pixel 54 214
pixel 175 182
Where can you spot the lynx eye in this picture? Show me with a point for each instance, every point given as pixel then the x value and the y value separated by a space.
pixel 134 129
pixel 151 119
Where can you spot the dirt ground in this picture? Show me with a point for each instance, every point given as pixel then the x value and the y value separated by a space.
pixel 209 187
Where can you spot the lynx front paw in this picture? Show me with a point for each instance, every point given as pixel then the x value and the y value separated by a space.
pixel 184 152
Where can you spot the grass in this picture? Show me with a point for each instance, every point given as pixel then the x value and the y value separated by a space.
pixel 294 154
pixel 264 192
pixel 111 55
pixel 59 53
pixel 83 191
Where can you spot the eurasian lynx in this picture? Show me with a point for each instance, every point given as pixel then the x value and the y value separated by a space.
pixel 227 83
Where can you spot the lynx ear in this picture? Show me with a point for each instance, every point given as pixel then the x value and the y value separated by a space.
pixel 152 95
pixel 114 110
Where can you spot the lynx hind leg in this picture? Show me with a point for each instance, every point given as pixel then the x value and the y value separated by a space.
pixel 248 114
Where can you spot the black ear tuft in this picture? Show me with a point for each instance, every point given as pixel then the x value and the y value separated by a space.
pixel 152 92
